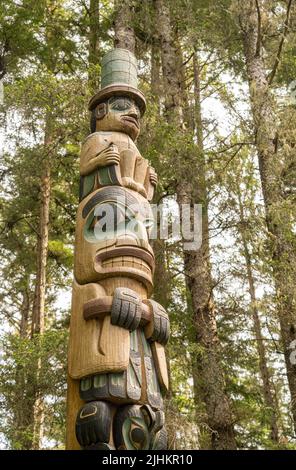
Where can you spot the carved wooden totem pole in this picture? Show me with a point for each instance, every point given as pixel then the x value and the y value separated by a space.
pixel 117 372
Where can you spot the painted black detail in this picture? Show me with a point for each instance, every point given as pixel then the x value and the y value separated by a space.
pixel 99 446
pixel 117 385
pixel 156 421
pixel 81 184
pixel 98 389
pixel 126 309
pixel 138 427
pixel 130 431
pixel 93 423
pixel 109 194
pixel 93 121
pixel 161 331
pixel 138 435
pixel 113 174
pixel 85 389
pixel 100 386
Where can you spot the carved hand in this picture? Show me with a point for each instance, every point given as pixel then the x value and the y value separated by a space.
pixel 153 176
pixel 109 156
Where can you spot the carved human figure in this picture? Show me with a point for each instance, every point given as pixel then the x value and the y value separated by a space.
pixel 117 333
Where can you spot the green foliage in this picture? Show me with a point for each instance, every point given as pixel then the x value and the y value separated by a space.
pixel 48 78
pixel 19 387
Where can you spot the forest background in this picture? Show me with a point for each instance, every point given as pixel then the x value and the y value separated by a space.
pixel 219 79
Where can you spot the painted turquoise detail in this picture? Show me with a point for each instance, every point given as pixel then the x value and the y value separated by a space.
pixel 132 423
pixel 88 184
pixel 100 380
pixel 104 176
pixel 119 66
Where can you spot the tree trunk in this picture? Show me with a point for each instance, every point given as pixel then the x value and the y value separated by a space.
pixel 269 398
pixel 94 45
pixel 38 314
pixel 281 235
pixel 155 72
pixel 161 292
pixel 124 31
pixel 42 247
pixel 191 189
pixel 25 311
pixel 24 402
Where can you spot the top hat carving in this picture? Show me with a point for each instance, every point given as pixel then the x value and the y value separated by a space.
pixel 119 77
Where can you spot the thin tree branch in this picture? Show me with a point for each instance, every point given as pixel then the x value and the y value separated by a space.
pixel 258 45
pixel 281 44
pixel 188 59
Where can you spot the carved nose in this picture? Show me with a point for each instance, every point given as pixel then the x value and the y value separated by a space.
pixel 136 231
pixel 134 112
pixel 134 115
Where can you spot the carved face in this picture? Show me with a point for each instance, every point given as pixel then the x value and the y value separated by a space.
pixel 119 114
pixel 112 237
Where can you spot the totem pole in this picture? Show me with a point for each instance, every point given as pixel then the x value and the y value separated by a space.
pixel 117 373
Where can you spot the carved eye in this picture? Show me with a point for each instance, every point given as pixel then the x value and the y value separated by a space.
pixel 120 104
pixel 109 216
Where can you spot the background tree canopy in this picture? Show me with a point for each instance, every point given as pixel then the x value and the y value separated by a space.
pixel 219 78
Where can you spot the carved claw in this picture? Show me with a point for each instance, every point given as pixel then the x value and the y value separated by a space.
pixel 126 309
pixel 159 330
pixel 93 424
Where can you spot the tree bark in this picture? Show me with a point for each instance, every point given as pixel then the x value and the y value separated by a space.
pixel 281 235
pixel 24 394
pixel 268 395
pixel 161 292
pixel 25 311
pixel 191 189
pixel 38 314
pixel 155 76
pixel 94 55
pixel 124 32
pixel 42 246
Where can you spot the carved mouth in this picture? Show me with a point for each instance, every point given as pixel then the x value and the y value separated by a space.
pixel 126 257
pixel 127 262
pixel 131 120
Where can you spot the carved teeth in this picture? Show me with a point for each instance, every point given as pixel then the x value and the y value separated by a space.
pixel 126 261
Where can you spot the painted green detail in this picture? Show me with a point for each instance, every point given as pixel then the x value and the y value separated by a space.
pixel 119 66
pixel 104 176
pixel 132 376
pixel 132 423
pixel 88 184
pixel 116 378
pixel 85 384
pixel 153 389
pixel 100 380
